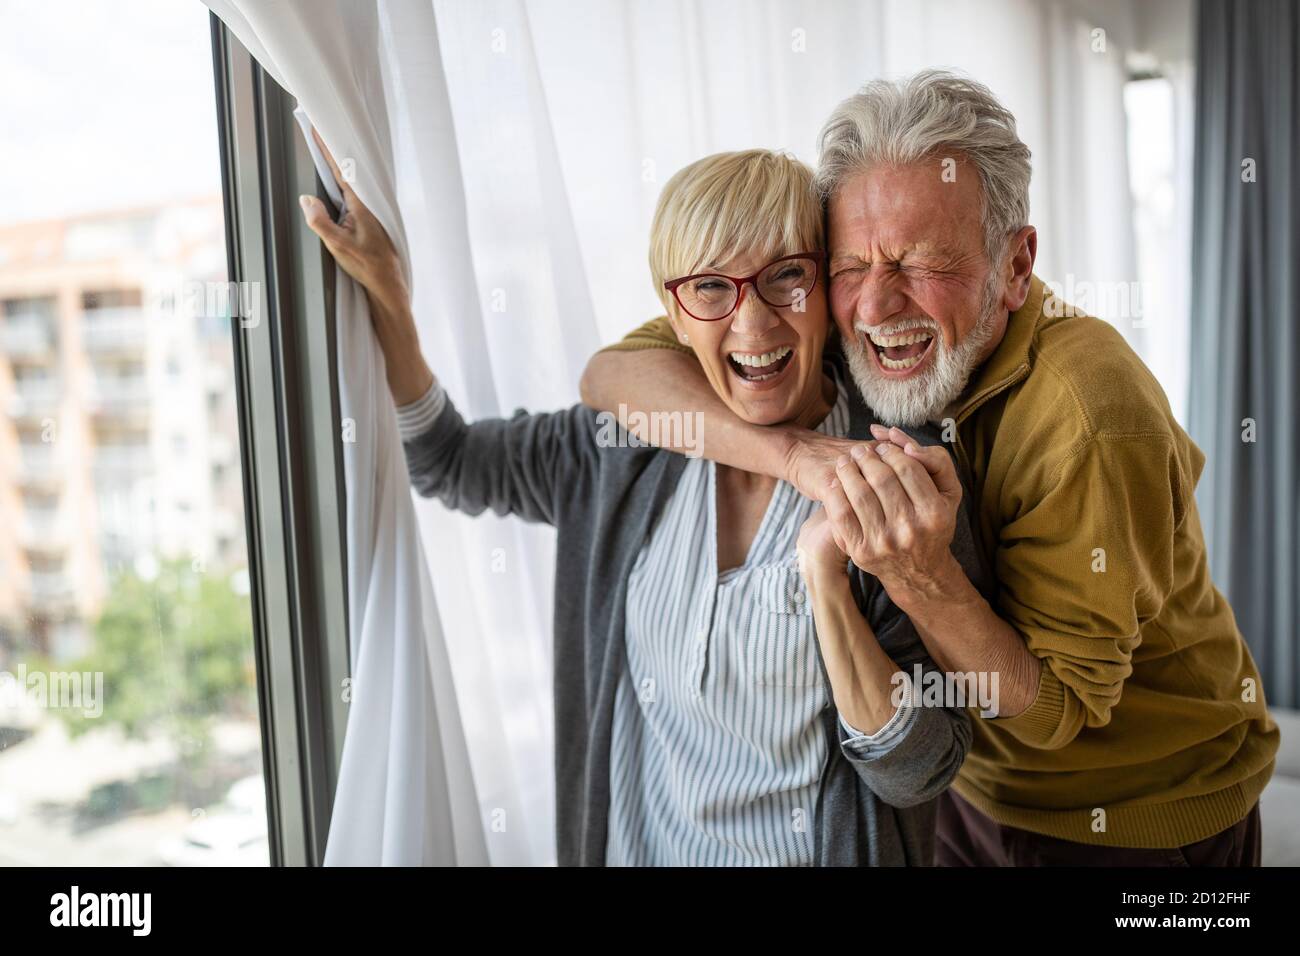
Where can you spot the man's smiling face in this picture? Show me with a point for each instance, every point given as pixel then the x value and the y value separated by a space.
pixel 911 289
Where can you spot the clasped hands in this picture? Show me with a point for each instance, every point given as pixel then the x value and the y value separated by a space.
pixel 889 505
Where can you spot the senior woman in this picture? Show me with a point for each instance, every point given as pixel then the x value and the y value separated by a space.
pixel 728 691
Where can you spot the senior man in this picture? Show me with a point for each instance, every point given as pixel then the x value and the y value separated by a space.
pixel 1131 727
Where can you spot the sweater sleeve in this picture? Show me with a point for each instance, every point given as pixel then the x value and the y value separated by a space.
pixel 655 334
pixel 521 465
pixel 928 744
pixel 1082 569
pixel 418 417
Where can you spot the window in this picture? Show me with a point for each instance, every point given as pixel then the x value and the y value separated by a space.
pixel 130 728
pixel 1158 115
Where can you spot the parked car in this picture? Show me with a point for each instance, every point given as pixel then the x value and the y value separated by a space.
pixel 233 833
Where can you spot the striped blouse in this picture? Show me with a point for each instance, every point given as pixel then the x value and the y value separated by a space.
pixel 717 750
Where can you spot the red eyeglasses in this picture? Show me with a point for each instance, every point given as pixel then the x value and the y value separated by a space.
pixel 782 283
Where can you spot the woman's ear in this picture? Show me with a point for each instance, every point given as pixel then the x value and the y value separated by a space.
pixel 679 327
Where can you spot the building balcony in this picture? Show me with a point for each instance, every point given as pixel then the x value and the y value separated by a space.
pixel 115 331
pixel 26 338
pixel 43 533
pixel 49 589
pixel 35 399
pixel 121 398
pixel 125 391
pixel 122 461
pixel 38 466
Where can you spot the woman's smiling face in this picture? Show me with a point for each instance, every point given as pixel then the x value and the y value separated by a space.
pixel 737 258
pixel 764 361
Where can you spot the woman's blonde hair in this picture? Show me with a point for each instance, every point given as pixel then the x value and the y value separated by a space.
pixel 755 201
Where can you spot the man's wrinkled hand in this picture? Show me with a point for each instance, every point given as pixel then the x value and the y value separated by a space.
pixel 893 510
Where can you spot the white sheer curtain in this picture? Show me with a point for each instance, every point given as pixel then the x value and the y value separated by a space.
pixel 405 794
pixel 526 210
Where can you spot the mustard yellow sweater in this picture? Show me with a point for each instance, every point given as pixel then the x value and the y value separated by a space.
pixel 1149 728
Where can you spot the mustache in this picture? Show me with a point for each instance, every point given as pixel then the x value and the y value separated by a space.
pixel 899 325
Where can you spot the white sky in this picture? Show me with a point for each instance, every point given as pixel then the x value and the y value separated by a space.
pixel 104 104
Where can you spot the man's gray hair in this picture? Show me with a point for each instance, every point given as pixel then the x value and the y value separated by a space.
pixel 933 114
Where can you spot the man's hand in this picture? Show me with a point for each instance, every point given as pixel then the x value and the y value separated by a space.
pixel 893 509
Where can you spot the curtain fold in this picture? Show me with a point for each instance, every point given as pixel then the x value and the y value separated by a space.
pixel 406 793
pixel 1245 360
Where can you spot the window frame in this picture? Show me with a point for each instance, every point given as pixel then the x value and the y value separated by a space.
pixel 289 428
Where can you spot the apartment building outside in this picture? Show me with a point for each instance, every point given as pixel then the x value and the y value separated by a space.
pixel 118 434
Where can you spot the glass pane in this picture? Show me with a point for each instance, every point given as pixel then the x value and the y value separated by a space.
pixel 128 707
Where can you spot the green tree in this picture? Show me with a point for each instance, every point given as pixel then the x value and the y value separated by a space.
pixel 176 652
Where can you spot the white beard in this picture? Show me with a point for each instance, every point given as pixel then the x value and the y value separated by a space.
pixel 914 401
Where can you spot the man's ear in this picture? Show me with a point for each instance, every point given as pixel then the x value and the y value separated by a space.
pixel 1019 267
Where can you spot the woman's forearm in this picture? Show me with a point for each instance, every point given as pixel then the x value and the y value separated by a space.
pixel 657 393
pixel 409 376
pixel 861 673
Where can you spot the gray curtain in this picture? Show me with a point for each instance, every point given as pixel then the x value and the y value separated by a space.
pixel 1245 319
